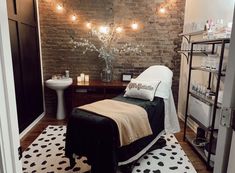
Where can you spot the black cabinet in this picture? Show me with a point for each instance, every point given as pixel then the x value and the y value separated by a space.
pixel 79 94
pixel 23 28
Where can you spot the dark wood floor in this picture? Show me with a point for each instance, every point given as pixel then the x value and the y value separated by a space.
pixel 197 162
pixel 33 134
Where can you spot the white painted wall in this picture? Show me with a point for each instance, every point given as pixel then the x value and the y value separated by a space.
pixel 200 11
pixel 231 165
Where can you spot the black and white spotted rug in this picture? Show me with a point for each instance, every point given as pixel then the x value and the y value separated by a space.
pixel 46 154
pixel 169 159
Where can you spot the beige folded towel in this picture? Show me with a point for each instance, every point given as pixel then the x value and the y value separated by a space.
pixel 132 120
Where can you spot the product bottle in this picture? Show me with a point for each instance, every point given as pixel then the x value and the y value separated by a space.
pixel 67 73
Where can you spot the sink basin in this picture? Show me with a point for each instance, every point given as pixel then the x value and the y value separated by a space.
pixel 59 85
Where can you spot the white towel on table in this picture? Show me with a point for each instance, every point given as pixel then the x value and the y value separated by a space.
pixel 164 74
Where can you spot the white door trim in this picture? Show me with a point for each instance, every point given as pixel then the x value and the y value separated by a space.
pixel 9 132
pixel 225 134
pixel 231 166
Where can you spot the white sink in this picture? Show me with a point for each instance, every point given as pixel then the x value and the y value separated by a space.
pixel 59 85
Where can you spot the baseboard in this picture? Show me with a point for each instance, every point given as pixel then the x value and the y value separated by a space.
pixel 192 125
pixel 22 134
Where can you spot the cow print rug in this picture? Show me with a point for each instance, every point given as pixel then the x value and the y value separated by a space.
pixel 46 155
pixel 169 159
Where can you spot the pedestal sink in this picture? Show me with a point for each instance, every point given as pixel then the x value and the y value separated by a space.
pixel 59 85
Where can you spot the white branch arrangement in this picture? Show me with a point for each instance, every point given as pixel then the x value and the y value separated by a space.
pixel 107 50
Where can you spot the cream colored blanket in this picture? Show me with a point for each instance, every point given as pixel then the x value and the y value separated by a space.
pixel 132 120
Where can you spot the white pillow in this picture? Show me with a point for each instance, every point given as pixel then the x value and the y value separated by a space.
pixel 159 73
pixel 141 89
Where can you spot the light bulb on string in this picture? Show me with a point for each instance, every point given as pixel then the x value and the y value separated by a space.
pixel 73 17
pixel 134 26
pixel 89 25
pixel 162 10
pixel 104 29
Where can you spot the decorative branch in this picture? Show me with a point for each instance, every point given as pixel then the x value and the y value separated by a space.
pixel 107 50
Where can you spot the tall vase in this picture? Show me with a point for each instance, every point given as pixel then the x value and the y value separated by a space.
pixel 107 74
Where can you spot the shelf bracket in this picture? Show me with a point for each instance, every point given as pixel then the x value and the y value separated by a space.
pixel 205 53
pixel 188 39
pixel 186 56
pixel 227 117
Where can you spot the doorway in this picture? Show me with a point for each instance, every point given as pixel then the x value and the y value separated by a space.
pixel 25 48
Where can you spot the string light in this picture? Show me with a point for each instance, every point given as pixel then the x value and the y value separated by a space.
pixel 89 25
pixel 119 29
pixel 134 26
pixel 104 29
pixel 59 7
pixel 162 10
pixel 73 17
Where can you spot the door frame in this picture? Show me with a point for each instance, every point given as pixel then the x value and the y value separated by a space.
pixel 9 132
pixel 225 133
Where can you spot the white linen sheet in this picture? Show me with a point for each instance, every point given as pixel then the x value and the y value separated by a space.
pixel 164 74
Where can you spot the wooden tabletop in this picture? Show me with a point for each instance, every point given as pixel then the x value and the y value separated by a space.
pixel 100 84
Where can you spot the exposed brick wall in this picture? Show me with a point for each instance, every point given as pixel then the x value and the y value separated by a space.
pixel 158 34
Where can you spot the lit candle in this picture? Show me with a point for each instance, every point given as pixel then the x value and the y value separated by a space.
pixel 82 75
pixel 86 78
pixel 79 79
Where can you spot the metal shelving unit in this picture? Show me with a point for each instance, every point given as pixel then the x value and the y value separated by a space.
pixel 215 105
pixel 204 99
pixel 209 70
pixel 187 53
pixel 188 36
pixel 199 150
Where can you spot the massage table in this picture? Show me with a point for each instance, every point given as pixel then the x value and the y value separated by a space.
pixel 97 138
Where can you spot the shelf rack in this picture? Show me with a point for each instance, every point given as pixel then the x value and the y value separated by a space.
pixel 199 150
pixel 196 53
pixel 204 99
pixel 188 37
pixel 209 70
pixel 215 105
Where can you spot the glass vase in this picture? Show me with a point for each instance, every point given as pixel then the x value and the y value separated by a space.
pixel 107 74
